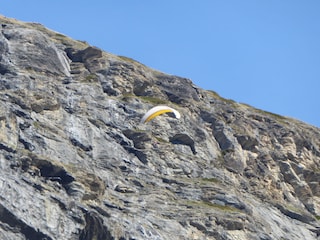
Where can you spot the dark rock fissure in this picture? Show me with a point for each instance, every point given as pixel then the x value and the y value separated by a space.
pixel 14 222
pixel 94 229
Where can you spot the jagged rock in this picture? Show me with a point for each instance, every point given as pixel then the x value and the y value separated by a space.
pixel 184 139
pixel 94 228
pixel 76 163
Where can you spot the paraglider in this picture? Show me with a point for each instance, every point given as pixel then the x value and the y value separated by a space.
pixel 158 110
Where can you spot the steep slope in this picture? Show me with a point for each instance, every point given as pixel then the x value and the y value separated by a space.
pixel 76 163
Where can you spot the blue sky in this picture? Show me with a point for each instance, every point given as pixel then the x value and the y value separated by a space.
pixel 265 53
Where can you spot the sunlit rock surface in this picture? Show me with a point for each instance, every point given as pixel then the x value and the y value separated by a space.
pixel 76 163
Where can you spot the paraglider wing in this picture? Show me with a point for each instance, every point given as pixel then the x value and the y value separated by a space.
pixel 158 110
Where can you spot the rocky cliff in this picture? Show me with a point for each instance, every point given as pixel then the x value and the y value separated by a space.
pixel 76 163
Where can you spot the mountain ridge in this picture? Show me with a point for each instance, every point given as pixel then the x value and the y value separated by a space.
pixel 77 164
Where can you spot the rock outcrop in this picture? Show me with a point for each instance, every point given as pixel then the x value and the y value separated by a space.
pixel 76 163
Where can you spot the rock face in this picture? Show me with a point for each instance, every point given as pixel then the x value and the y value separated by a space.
pixel 76 163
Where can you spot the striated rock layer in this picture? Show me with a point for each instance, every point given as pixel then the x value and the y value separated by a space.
pixel 76 163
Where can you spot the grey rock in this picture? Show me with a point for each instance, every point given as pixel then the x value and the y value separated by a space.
pixel 76 163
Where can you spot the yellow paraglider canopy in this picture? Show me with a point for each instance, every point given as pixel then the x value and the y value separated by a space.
pixel 158 110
